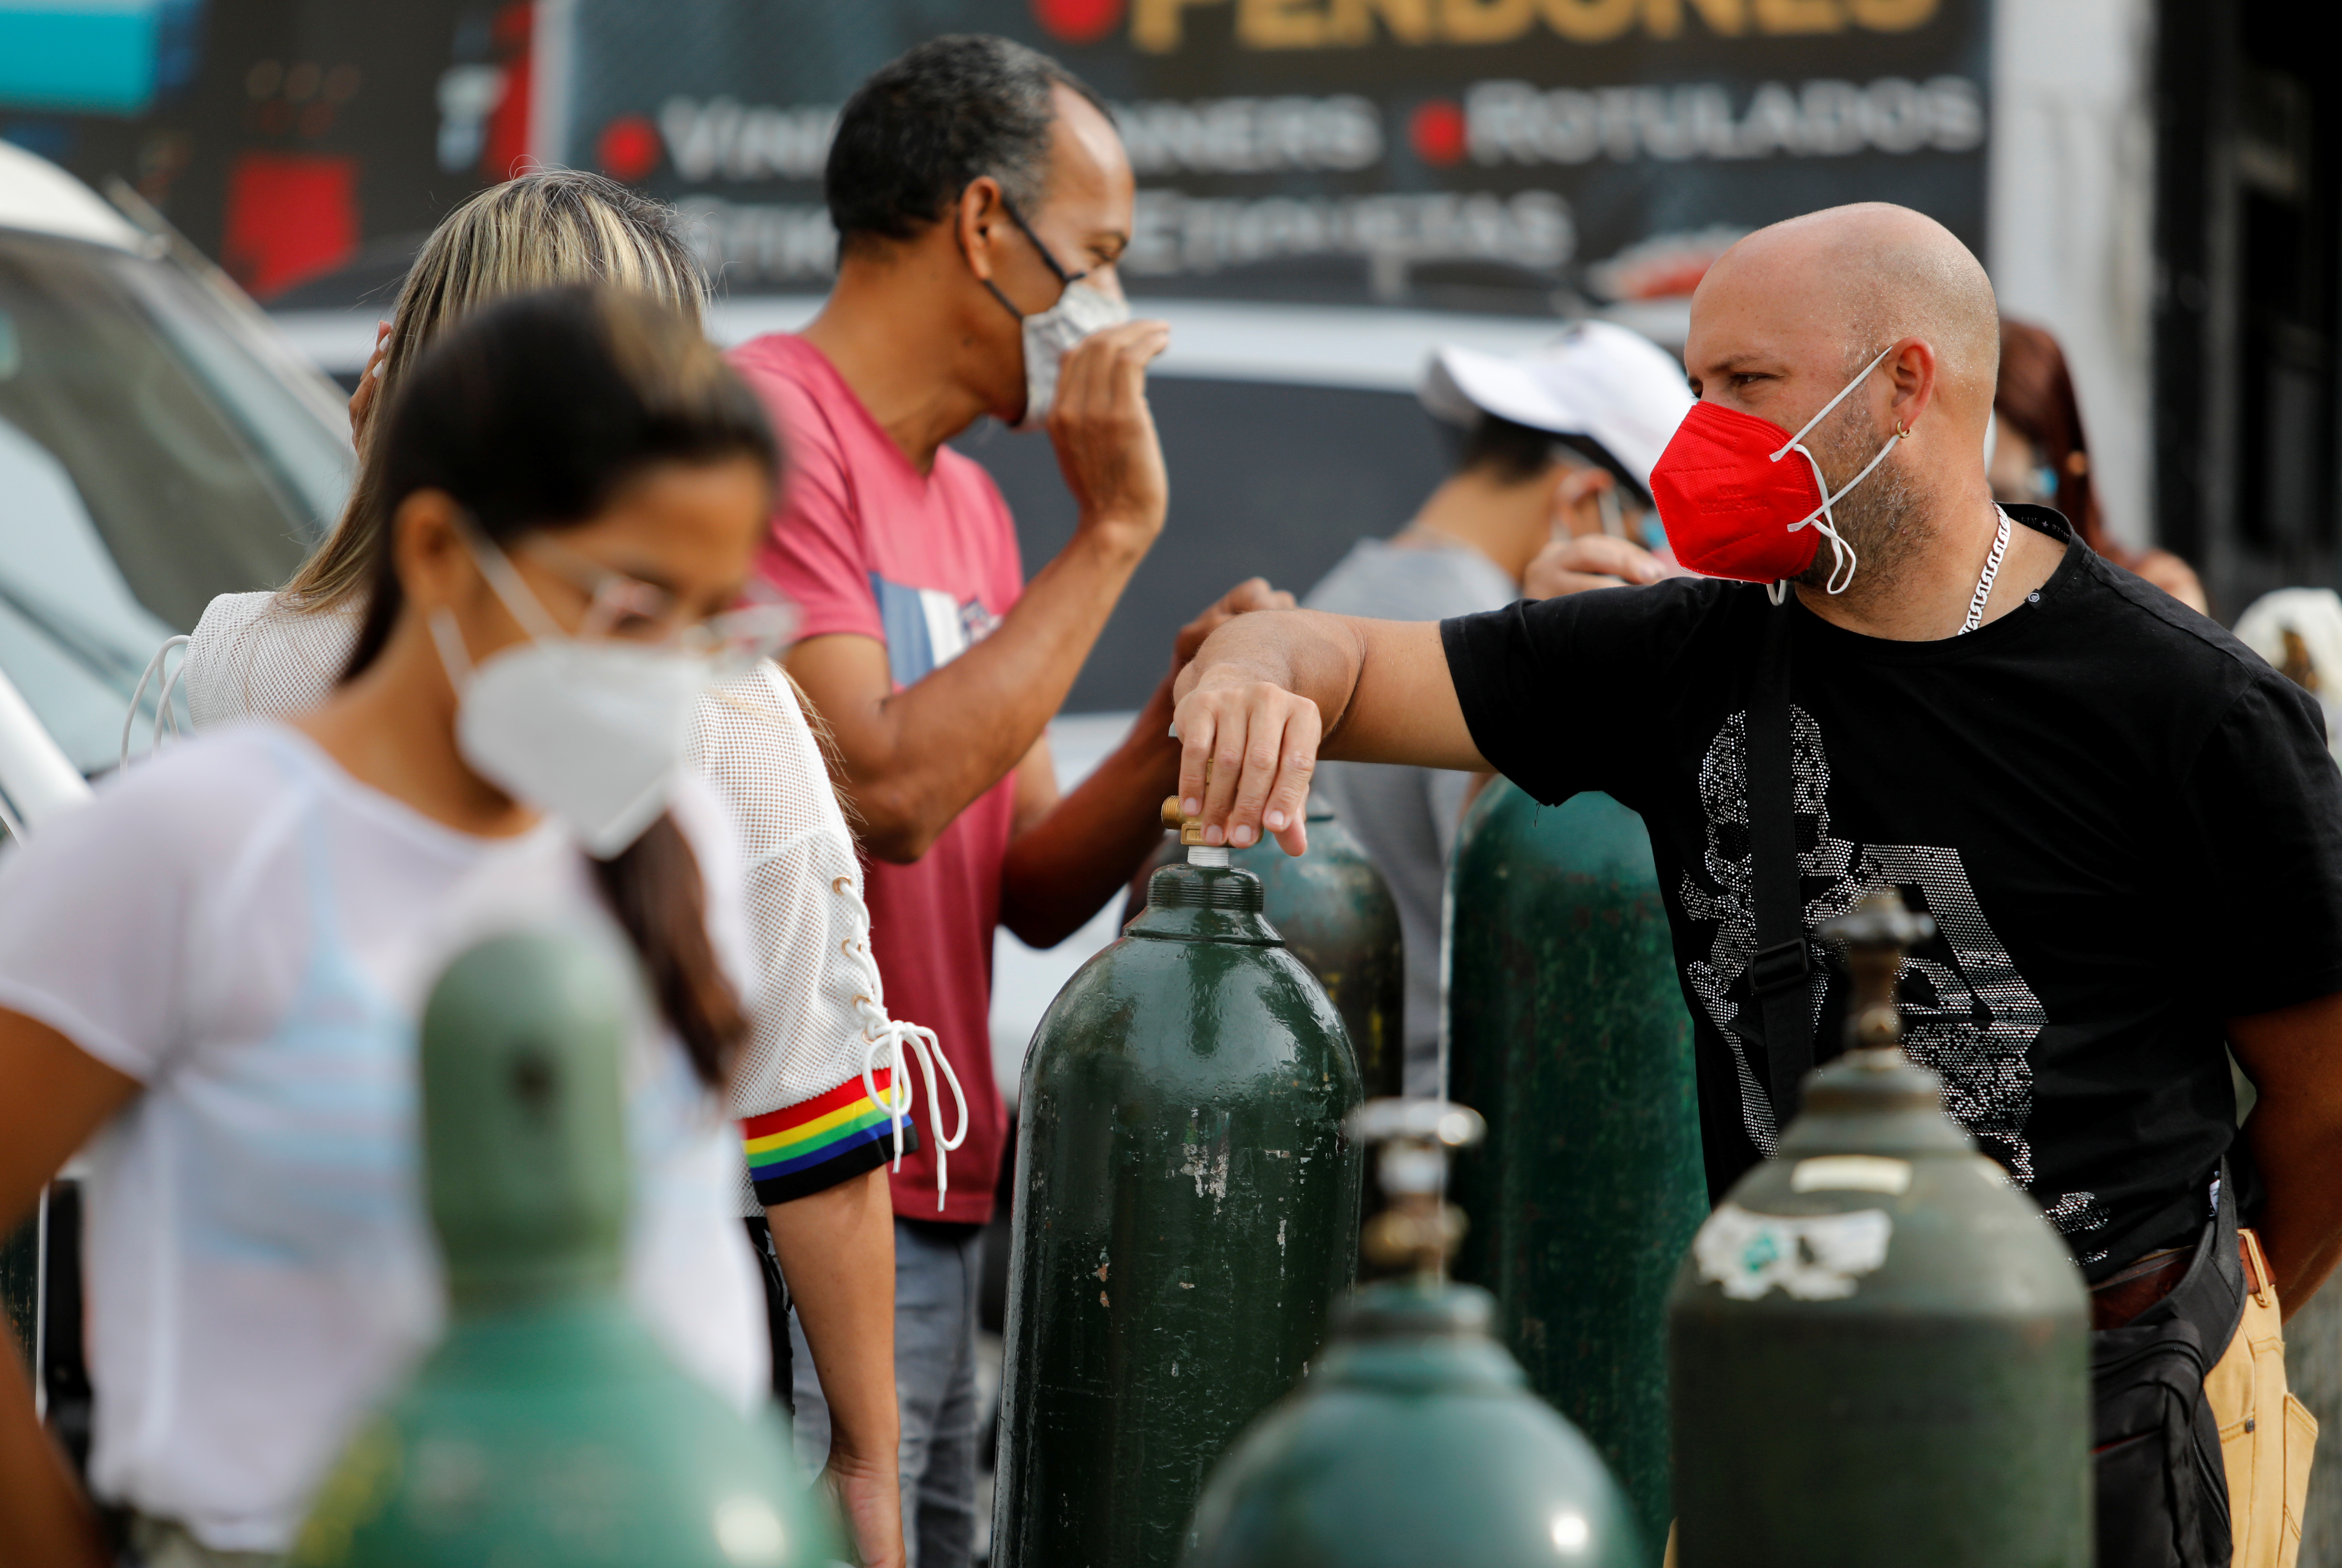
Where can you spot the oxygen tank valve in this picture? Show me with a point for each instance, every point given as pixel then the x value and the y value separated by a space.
pixel 1418 1227
pixel 1190 830
pixel 1875 934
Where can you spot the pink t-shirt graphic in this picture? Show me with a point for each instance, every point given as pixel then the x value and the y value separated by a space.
pixel 928 564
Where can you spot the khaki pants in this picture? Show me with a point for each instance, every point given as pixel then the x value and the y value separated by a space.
pixel 2266 1436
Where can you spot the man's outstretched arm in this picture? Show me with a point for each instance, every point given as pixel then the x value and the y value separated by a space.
pixel 1265 695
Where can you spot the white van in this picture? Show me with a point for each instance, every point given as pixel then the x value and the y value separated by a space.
pixel 160 443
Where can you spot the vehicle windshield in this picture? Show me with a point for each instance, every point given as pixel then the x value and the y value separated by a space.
pixel 154 452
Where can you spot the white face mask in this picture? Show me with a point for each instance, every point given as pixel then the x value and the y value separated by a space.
pixel 589 730
pixel 1083 309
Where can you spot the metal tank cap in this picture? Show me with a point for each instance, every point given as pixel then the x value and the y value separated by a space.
pixel 1190 829
pixel 1420 1228
pixel 1875 1097
pixel 1417 1231
pixel 1203 899
pixel 1875 935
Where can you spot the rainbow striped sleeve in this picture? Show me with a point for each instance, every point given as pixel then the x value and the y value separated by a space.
pixel 801 1149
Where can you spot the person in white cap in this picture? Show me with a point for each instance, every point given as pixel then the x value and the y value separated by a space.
pixel 1550 496
pixel 2300 630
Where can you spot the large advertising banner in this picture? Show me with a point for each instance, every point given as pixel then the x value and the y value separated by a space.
pixel 1522 155
pixel 1539 155
pixel 308 145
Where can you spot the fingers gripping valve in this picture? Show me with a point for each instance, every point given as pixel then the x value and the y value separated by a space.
pixel 1190 830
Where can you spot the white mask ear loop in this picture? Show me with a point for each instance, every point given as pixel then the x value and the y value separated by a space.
pixel 1842 557
pixel 508 586
pixel 448 638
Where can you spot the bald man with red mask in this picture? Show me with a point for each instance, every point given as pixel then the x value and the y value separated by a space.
pixel 2124 824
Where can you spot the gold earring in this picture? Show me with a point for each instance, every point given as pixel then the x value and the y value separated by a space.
pixel 1901 433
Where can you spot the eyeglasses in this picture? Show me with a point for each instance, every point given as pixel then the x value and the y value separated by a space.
pixel 628 609
pixel 631 610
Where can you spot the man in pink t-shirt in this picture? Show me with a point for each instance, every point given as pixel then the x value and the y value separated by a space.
pixel 967 263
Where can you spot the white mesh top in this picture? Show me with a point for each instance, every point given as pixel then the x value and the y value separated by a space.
pixel 252 657
pixel 812 1087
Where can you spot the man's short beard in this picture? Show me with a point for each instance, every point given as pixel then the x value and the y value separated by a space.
pixel 1881 518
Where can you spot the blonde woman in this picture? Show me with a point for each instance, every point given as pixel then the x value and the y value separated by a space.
pixel 819 1086
pixel 211 975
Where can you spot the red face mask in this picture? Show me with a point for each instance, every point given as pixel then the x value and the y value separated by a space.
pixel 1732 506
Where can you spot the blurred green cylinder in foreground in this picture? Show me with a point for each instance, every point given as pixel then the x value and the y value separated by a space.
pixel 1916 1390
pixel 1565 1028
pixel 1881 1348
pixel 548 1428
pixel 1413 1443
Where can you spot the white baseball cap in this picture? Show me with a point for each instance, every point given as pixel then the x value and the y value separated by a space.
pixel 1598 380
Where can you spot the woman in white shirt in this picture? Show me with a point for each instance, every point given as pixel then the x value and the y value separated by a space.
pixel 814 1189
pixel 216 966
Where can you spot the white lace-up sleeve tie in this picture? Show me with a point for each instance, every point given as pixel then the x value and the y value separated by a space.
pixel 823 1089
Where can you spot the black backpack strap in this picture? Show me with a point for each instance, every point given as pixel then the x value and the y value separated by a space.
pixel 1781 997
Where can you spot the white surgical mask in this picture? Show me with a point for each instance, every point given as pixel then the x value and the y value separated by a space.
pixel 1083 309
pixel 590 730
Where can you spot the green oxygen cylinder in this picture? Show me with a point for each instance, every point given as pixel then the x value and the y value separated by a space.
pixel 548 1428
pixel 1336 915
pixel 1186 1213
pixel 1415 1440
pixel 1881 1349
pixel 1564 1019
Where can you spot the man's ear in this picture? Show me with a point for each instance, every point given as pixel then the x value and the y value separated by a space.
pixel 977 220
pixel 1577 493
pixel 1913 366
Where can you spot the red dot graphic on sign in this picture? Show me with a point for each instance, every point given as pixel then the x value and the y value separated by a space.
pixel 629 147
pixel 1436 132
pixel 1078 20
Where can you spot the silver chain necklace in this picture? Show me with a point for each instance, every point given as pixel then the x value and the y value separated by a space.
pixel 1983 583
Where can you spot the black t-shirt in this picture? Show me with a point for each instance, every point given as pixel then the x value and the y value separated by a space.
pixel 2126 824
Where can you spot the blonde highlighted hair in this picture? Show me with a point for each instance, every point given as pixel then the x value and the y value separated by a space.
pixel 543 230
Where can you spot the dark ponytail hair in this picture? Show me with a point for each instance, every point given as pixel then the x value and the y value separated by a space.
pixel 532 413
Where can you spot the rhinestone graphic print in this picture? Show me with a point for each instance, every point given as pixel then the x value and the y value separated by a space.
pixel 1967 1014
